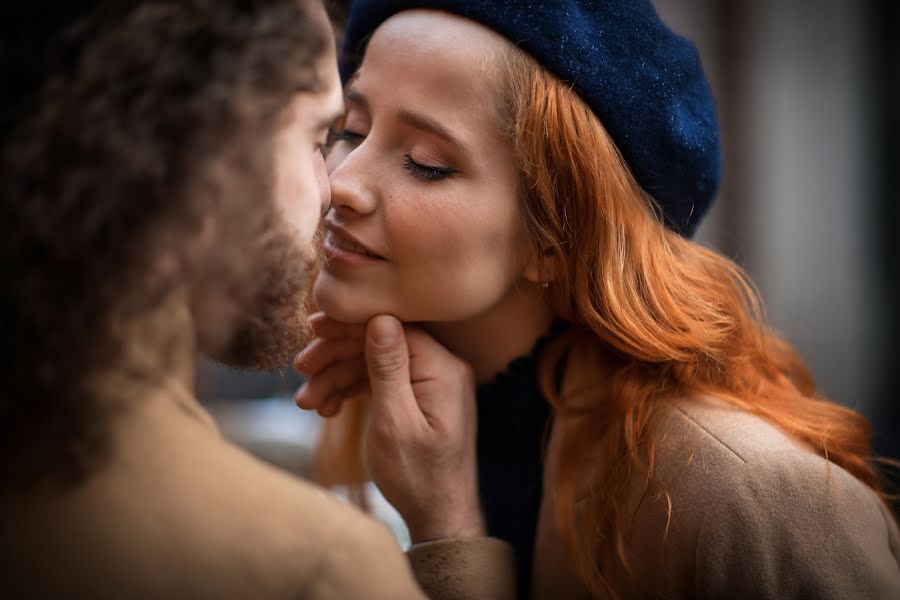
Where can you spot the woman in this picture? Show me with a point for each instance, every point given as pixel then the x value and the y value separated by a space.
pixel 528 205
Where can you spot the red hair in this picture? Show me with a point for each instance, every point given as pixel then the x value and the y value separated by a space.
pixel 656 319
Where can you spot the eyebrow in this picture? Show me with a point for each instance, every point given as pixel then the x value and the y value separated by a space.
pixel 411 118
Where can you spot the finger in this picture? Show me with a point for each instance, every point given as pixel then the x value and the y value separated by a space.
pixel 437 374
pixel 301 399
pixel 428 358
pixel 322 352
pixel 326 327
pixel 338 376
pixel 332 406
pixel 387 362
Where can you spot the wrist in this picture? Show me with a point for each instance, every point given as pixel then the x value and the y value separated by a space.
pixel 442 525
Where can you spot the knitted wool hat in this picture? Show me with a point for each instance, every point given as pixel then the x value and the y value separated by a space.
pixel 644 83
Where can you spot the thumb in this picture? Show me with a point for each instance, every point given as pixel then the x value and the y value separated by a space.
pixel 387 359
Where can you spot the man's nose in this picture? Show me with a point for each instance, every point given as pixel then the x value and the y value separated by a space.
pixel 323 183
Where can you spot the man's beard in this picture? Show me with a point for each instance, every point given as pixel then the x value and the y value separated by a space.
pixel 272 326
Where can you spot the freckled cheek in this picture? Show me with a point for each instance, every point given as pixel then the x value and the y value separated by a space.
pixel 419 228
pixel 451 248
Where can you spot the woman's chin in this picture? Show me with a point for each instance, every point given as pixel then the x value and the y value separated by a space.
pixel 343 305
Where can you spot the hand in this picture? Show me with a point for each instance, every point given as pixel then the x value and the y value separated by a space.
pixel 420 438
pixel 334 364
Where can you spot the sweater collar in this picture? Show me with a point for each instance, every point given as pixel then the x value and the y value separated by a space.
pixel 512 401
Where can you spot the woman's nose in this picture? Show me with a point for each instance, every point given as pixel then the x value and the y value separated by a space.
pixel 351 189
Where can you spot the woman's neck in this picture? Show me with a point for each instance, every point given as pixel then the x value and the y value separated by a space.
pixel 490 341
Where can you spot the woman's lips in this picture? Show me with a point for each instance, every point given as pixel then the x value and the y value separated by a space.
pixel 340 247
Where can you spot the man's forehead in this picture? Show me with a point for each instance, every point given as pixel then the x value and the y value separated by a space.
pixel 317 109
pixel 331 100
pixel 328 94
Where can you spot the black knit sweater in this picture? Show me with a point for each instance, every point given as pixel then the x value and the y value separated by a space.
pixel 514 420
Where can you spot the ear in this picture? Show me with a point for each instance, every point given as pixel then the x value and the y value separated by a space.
pixel 540 268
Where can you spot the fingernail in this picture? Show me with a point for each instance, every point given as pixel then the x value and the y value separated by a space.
pixel 383 330
pixel 298 397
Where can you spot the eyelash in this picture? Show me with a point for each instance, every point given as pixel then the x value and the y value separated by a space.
pixel 426 172
pixel 420 171
pixel 345 136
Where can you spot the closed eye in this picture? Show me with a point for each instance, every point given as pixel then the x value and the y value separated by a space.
pixel 345 136
pixel 427 172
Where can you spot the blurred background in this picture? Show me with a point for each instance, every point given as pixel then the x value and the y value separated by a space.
pixel 809 103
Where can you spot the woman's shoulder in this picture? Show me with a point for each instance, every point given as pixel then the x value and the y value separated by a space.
pixel 764 513
pixel 723 449
pixel 715 451
pixel 728 432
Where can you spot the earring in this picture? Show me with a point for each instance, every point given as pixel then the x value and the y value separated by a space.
pixel 545 284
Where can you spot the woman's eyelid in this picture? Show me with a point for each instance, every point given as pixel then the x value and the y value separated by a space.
pixel 354 121
pixel 426 173
pixel 348 135
pixel 431 160
pixel 347 131
pixel 354 128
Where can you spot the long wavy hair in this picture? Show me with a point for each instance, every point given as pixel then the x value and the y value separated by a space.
pixel 129 131
pixel 656 318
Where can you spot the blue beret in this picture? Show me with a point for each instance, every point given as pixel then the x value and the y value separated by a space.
pixel 644 83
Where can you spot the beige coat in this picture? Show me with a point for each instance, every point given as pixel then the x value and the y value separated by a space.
pixel 181 514
pixel 754 516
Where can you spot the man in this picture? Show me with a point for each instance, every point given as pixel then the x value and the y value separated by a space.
pixel 163 185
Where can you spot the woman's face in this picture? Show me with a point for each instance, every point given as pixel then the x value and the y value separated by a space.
pixel 424 222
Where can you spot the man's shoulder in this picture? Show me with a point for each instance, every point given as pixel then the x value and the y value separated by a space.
pixel 263 506
pixel 293 533
pixel 330 548
pixel 179 510
pixel 196 478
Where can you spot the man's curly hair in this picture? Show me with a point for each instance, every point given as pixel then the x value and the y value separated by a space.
pixel 129 128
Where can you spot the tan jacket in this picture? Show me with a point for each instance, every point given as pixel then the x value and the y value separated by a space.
pixel 753 516
pixel 181 514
